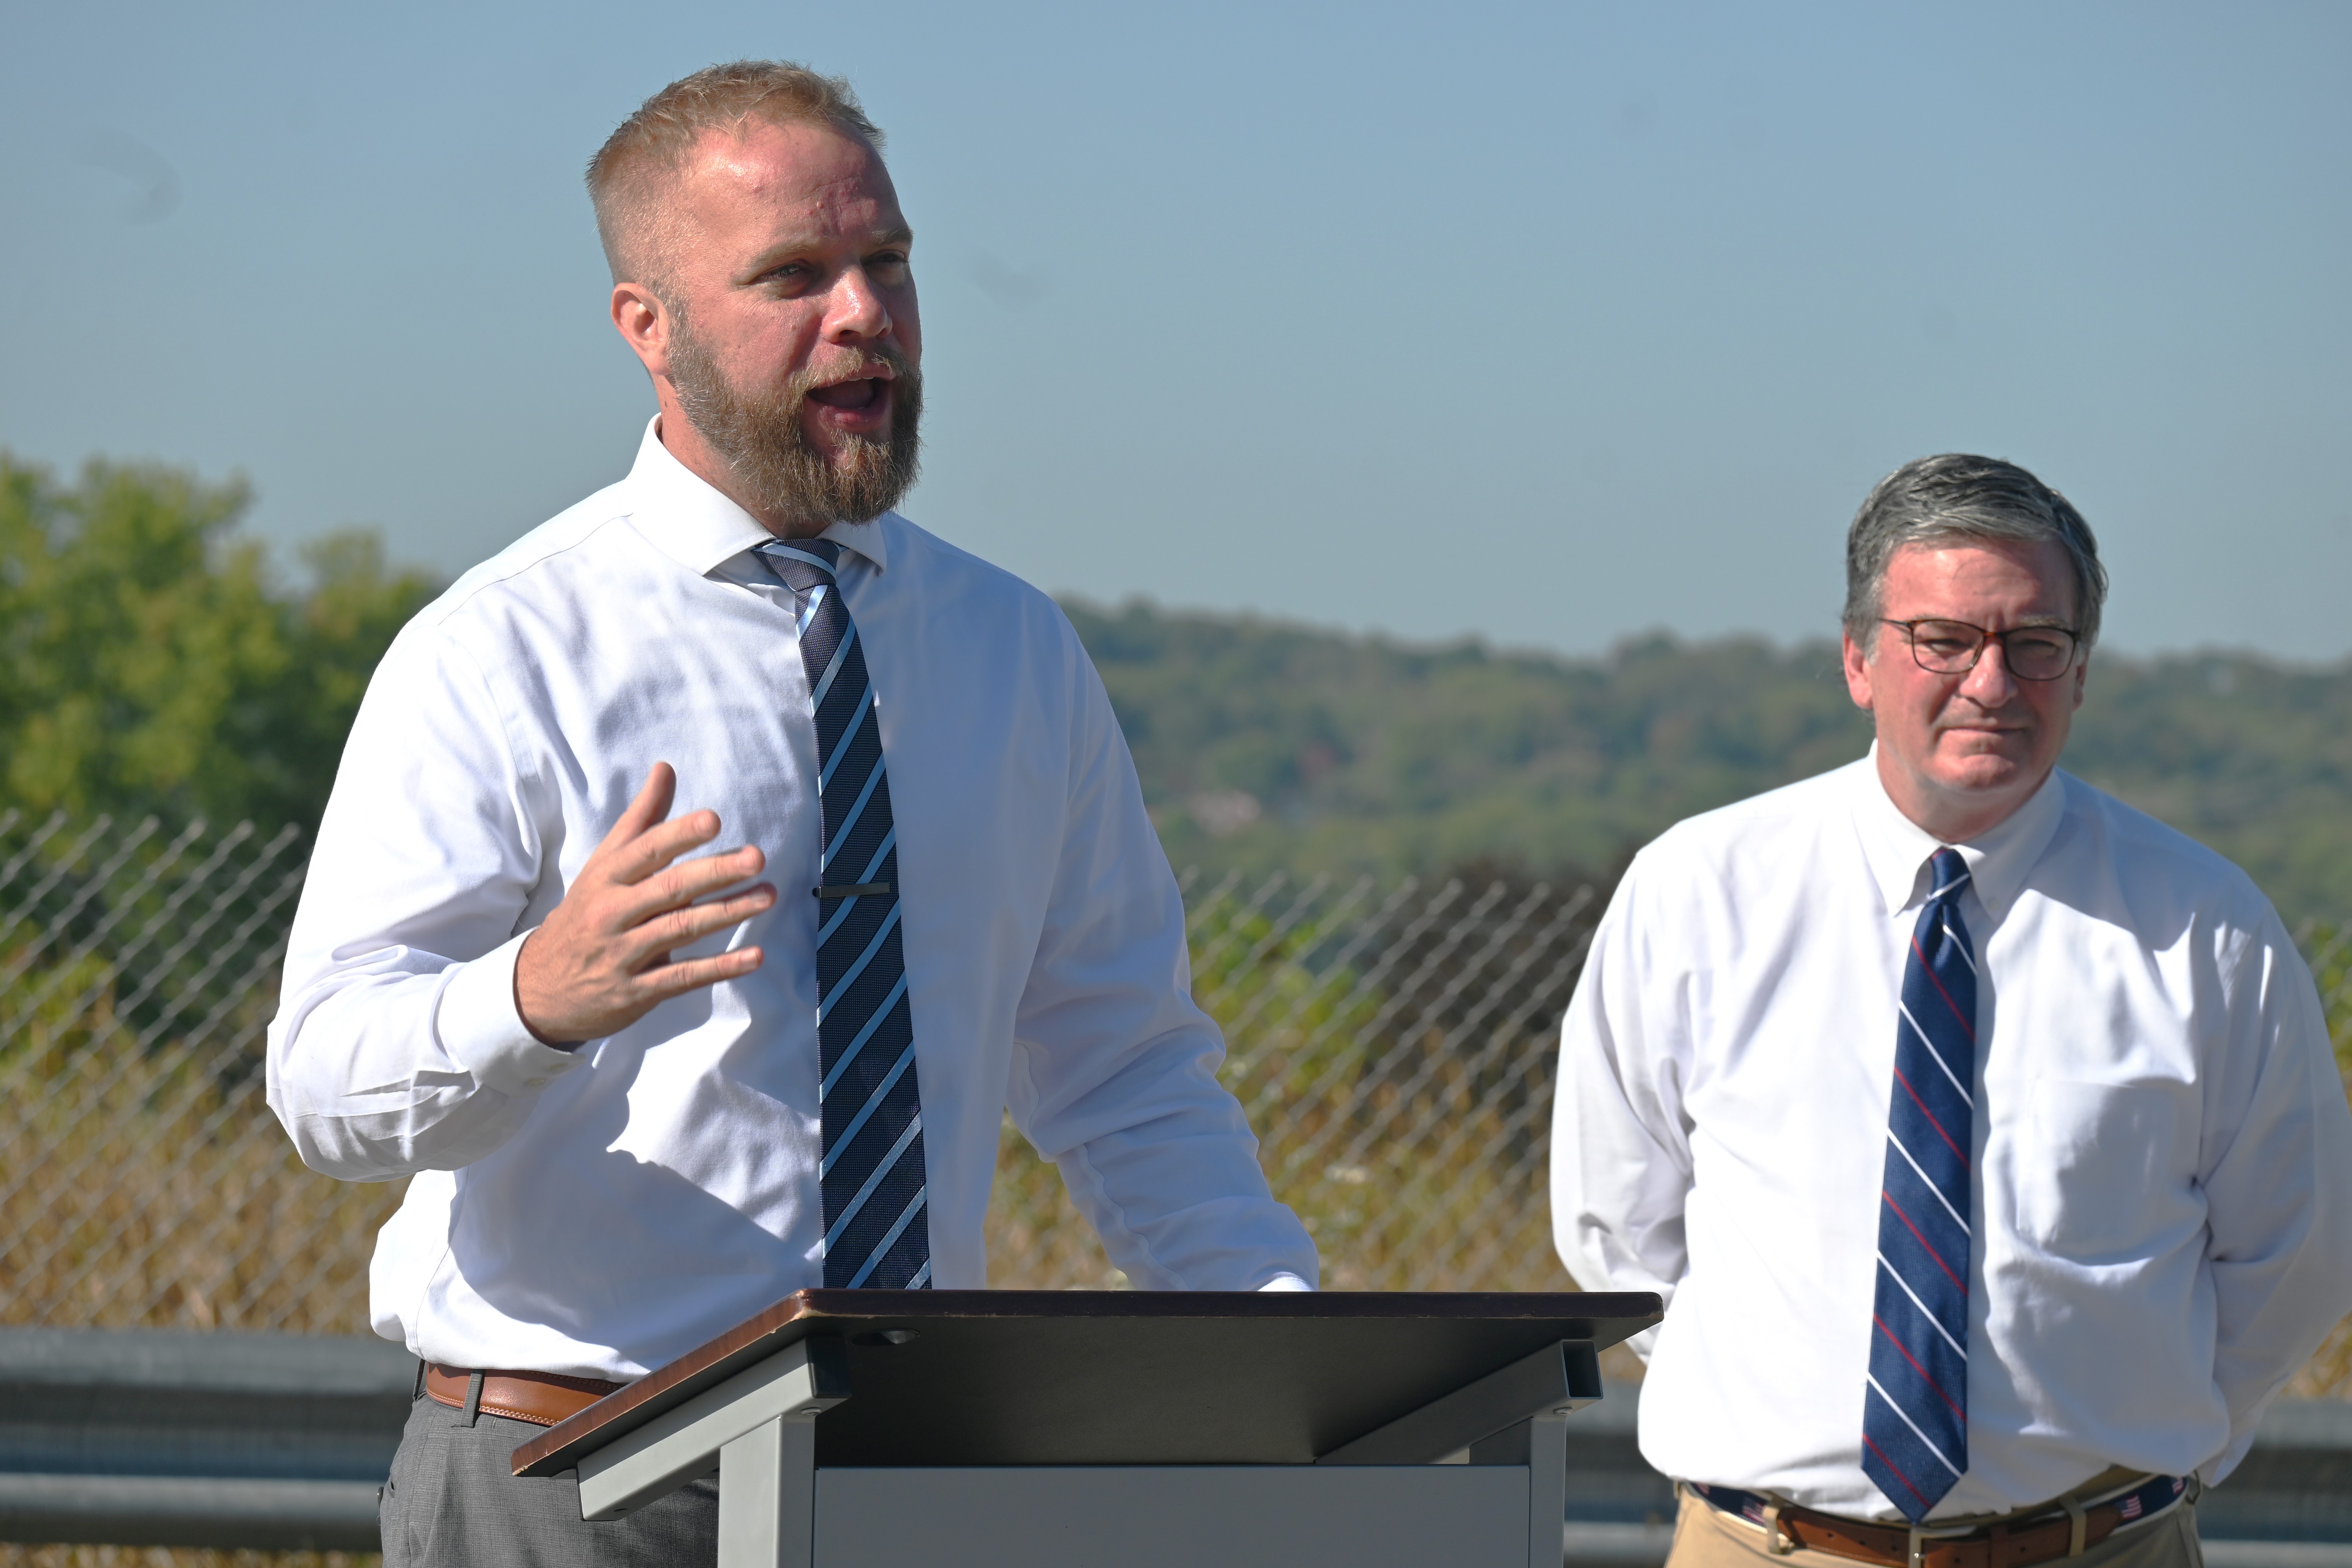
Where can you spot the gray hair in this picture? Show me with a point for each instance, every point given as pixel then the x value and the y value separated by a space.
pixel 1931 500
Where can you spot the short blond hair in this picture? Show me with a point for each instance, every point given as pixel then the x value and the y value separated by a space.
pixel 627 176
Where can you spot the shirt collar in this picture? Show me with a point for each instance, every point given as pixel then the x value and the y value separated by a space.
pixel 685 517
pixel 1998 860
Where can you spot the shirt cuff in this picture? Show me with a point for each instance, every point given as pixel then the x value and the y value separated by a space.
pixel 483 1032
pixel 1285 1282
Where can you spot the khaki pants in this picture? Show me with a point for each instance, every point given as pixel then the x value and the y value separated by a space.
pixel 1706 1536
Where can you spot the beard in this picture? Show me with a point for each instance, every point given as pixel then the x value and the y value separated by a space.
pixel 779 469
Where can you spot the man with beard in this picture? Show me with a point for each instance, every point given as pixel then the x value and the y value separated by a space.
pixel 642 1096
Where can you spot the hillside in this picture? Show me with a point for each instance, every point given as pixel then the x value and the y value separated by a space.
pixel 211 685
pixel 1264 745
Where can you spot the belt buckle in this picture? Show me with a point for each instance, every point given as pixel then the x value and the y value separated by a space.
pixel 1921 1534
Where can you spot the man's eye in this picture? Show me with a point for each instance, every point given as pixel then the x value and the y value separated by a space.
pixel 2039 647
pixel 1943 645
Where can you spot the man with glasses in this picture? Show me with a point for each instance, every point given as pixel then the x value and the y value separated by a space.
pixel 1981 1133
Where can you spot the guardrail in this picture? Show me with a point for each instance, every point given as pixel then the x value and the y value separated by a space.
pixel 146 1437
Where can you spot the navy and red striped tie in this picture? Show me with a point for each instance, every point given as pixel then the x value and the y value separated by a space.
pixel 1915 1422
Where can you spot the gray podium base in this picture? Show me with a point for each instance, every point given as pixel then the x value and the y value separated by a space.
pixel 1460 1516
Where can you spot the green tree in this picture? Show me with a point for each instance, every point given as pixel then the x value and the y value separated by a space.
pixel 150 661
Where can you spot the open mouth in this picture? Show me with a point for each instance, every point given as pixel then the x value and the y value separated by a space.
pixel 851 395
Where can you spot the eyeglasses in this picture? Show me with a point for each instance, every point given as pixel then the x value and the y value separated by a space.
pixel 1953 647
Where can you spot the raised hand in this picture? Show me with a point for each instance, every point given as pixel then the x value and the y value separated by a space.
pixel 600 961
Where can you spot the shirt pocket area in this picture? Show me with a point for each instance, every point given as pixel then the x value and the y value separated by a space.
pixel 2107 1174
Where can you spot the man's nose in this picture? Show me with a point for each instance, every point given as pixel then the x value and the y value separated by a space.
pixel 855 312
pixel 1989 684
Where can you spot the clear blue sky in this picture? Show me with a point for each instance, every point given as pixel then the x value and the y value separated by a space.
pixel 1548 323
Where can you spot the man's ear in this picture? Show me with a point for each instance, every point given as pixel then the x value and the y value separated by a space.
pixel 1857 670
pixel 643 323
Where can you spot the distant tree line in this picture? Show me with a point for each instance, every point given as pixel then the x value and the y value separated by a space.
pixel 1264 745
pixel 152 660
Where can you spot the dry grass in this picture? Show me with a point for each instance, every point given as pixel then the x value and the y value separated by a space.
pixel 1407 1127
pixel 2328 1373
pixel 150 1189
pixel 1448 1216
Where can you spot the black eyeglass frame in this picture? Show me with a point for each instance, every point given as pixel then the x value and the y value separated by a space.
pixel 1984 635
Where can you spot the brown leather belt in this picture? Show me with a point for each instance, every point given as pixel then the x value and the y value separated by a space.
pixel 541 1398
pixel 1996 1546
pixel 2036 1537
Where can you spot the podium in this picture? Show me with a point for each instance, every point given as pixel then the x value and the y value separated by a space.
pixel 1055 1429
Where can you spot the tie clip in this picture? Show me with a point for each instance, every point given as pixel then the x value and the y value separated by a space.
pixel 851 889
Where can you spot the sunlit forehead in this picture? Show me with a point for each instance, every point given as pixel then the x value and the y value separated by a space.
pixel 796 166
pixel 1994 584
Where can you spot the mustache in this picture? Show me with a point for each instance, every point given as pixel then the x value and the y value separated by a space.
pixel 866 362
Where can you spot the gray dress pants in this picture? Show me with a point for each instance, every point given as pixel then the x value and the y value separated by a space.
pixel 454 1502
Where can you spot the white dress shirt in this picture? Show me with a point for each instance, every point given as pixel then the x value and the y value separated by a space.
pixel 600 1211
pixel 2162 1170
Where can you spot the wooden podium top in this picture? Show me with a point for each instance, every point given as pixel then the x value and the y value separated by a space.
pixel 1101 1377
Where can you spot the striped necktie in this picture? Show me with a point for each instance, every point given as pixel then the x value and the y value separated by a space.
pixel 1915 1422
pixel 871 1174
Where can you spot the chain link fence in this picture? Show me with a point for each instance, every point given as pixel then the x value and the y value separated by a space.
pixel 142 1180
pixel 1393 1046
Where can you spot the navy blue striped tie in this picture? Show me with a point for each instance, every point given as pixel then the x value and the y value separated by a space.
pixel 1914 1421
pixel 876 1231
